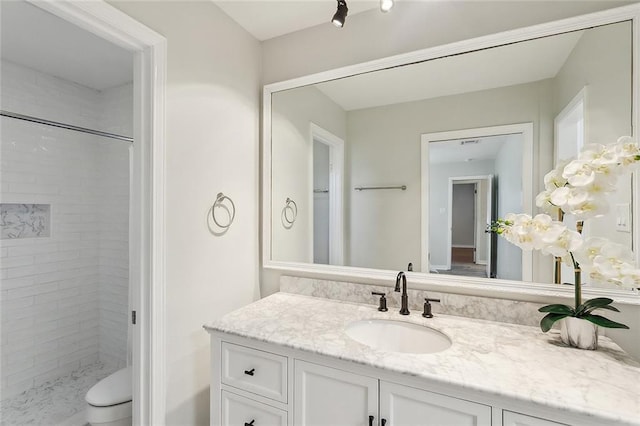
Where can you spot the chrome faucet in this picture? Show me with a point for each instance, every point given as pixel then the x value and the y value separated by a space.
pixel 404 309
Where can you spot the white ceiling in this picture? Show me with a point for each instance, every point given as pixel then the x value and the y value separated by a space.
pixel 39 40
pixel 453 151
pixel 509 65
pixel 266 19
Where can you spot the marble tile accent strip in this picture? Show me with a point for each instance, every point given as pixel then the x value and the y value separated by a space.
pixel 25 220
pixel 500 310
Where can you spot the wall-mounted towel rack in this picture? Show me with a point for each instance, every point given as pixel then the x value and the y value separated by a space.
pixel 367 188
pixel 219 203
pixel 290 206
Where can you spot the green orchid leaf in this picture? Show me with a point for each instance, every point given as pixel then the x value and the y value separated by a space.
pixel 547 322
pixel 602 321
pixel 557 309
pixel 608 307
pixel 592 304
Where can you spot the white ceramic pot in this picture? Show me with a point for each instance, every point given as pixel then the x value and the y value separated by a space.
pixel 579 333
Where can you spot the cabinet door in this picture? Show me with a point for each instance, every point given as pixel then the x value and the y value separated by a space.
pixel 240 411
pixel 516 419
pixel 406 406
pixel 326 396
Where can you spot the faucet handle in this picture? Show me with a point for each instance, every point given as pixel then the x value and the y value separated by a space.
pixel 383 301
pixel 427 307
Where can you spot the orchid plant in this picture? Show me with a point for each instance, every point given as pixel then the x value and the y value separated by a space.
pixel 579 188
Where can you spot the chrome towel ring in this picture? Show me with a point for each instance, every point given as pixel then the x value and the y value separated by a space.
pixel 219 203
pixel 290 206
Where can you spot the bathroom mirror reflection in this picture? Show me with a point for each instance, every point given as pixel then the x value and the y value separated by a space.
pixel 382 165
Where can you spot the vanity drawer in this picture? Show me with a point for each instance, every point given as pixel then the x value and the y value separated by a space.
pixel 255 371
pixel 240 411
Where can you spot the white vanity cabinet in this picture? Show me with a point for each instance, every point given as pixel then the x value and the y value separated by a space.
pixel 516 419
pixel 258 384
pixel 327 396
pixel 407 406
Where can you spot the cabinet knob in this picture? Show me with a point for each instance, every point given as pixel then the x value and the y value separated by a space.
pixel 249 372
pixel 371 418
pixel 250 423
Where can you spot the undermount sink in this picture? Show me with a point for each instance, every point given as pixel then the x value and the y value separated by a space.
pixel 398 336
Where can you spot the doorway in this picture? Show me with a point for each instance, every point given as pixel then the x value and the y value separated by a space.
pixel 327 194
pixel 471 208
pixel 146 203
pixel 474 154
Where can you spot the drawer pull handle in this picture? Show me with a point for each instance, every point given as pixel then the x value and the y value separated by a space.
pixel 384 422
pixel 249 424
pixel 371 420
pixel 249 372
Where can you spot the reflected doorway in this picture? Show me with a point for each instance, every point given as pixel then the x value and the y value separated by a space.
pixel 328 194
pixel 471 208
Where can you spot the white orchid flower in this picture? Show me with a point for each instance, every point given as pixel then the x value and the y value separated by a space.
pixel 579 173
pixel 626 150
pixel 568 241
pixel 554 179
pixel 597 154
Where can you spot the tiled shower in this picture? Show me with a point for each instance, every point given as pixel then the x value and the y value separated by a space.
pixel 64 203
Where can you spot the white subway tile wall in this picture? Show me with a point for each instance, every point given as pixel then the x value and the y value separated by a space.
pixel 64 298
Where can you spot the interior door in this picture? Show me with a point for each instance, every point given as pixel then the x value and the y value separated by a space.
pixel 490 215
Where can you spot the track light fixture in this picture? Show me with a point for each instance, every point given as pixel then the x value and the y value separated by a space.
pixel 386 5
pixel 341 14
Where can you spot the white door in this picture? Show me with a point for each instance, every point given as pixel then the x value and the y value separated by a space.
pixel 326 396
pixel 407 406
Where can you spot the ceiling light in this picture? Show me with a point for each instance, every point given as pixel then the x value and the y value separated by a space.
pixel 341 14
pixel 386 5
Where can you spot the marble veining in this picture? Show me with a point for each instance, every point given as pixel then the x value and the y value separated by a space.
pixel 25 220
pixel 57 402
pixel 523 363
pixel 509 311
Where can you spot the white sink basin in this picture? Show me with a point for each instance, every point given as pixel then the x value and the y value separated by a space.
pixel 398 336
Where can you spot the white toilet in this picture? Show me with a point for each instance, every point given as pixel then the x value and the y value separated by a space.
pixel 110 400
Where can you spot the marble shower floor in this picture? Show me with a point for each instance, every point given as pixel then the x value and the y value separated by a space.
pixel 57 402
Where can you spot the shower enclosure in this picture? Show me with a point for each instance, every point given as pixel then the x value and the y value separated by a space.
pixel 64 243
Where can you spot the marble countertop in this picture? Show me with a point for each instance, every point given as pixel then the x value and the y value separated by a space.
pixel 522 362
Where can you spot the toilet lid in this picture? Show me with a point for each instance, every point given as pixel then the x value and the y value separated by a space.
pixel 112 390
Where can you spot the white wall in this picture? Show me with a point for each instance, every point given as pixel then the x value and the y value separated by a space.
pixel 293 112
pixel 463 215
pixel 213 95
pixel 113 186
pixel 508 174
pixel 64 297
pixel 384 149
pixel 608 102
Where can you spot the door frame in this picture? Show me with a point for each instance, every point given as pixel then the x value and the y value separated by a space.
pixel 526 129
pixel 336 192
pixel 147 203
